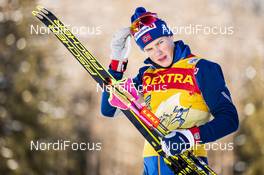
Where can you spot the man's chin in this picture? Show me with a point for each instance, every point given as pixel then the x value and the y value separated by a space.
pixel 166 65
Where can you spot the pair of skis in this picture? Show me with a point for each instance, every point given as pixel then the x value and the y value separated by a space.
pixel 142 118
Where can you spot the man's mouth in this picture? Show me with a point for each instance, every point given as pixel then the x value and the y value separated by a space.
pixel 162 58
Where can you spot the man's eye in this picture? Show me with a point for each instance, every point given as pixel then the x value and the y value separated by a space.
pixel 148 50
pixel 161 41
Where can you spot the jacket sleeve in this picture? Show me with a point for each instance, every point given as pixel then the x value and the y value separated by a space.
pixel 211 82
pixel 106 109
pixel 137 80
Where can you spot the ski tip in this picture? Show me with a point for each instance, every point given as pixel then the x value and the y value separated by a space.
pixel 42 9
pixel 36 13
pixel 39 7
pixel 40 12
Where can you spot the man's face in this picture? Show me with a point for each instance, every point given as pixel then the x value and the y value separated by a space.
pixel 160 51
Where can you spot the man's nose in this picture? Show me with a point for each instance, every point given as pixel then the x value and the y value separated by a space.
pixel 158 51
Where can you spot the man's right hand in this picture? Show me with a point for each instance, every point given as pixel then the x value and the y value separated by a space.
pixel 120 49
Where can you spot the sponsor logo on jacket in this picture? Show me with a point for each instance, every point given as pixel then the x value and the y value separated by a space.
pixel 173 78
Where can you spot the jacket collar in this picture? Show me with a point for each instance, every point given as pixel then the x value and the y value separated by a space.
pixel 181 51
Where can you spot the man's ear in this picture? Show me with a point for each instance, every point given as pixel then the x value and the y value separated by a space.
pixel 171 37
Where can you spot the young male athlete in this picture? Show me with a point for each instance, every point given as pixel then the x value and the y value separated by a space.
pixel 179 87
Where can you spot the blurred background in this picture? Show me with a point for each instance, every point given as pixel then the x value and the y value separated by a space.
pixel 46 95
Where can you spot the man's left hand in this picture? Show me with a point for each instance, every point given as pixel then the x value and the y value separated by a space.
pixel 179 141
